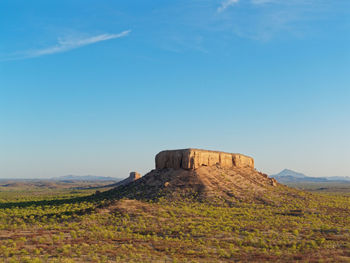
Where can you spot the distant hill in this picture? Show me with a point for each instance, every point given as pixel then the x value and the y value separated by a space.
pixel 339 178
pixel 290 176
pixel 289 173
pixel 84 178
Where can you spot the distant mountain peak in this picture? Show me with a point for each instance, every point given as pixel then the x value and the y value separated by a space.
pixel 289 172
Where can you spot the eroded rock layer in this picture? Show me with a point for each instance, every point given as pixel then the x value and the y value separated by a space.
pixel 195 158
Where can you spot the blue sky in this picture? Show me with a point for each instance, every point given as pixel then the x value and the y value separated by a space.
pixel 99 87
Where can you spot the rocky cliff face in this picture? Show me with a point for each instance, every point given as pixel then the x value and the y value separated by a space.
pixel 191 159
pixel 203 175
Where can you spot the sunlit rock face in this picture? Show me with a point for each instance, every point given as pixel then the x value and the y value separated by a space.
pixel 134 176
pixel 191 159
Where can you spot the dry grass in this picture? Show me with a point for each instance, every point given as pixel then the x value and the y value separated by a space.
pixel 275 224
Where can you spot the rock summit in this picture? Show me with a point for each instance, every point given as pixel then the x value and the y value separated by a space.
pixel 191 159
pixel 201 174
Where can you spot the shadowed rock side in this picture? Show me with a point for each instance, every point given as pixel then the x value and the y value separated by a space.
pixel 205 183
pixel 132 177
pixel 195 158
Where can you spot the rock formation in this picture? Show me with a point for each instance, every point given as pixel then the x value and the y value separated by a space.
pixel 132 177
pixel 203 175
pixel 195 158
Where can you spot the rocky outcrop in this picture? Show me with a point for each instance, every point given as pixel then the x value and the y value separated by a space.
pixel 191 159
pixel 203 175
pixel 132 177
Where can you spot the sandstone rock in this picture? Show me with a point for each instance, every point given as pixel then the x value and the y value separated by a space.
pixel 202 175
pixel 132 177
pixel 191 159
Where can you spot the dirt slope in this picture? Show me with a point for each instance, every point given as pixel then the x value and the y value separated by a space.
pixel 205 183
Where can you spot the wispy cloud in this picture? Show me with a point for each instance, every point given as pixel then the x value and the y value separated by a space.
pixel 263 20
pixel 226 4
pixel 65 45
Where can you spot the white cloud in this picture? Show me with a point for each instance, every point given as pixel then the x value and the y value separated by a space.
pixel 64 45
pixel 226 4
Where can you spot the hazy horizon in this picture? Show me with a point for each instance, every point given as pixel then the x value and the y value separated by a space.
pixel 101 88
pixel 122 177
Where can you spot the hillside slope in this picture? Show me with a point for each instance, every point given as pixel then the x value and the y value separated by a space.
pixel 205 184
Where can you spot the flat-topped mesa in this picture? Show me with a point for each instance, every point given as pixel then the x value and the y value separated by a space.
pixel 191 159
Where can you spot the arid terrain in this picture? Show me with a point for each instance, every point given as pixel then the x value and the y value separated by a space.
pixel 211 213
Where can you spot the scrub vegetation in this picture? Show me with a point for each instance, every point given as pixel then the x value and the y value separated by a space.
pixel 77 227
